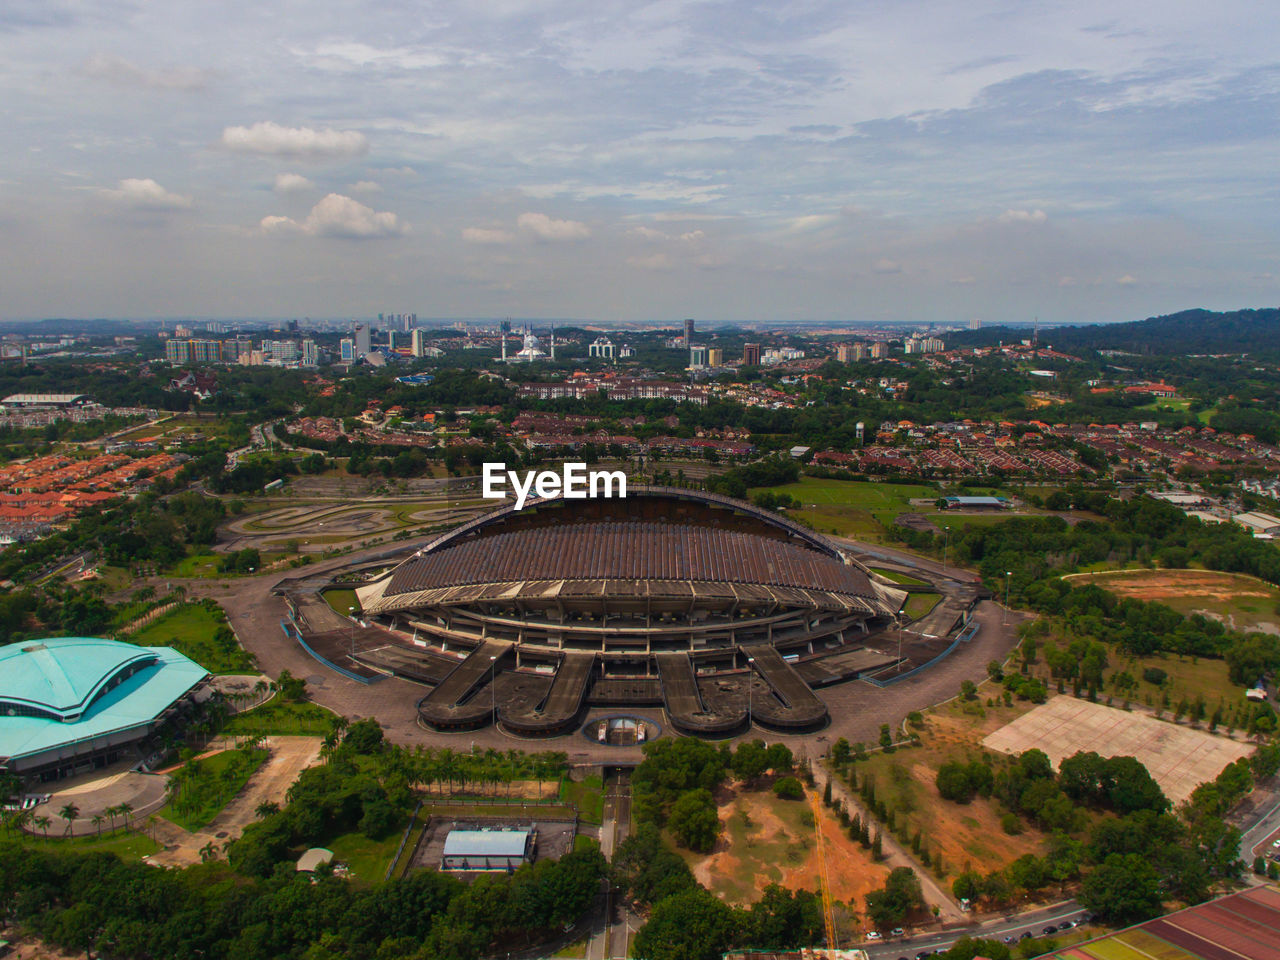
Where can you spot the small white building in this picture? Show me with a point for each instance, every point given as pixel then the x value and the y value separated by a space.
pixel 1259 524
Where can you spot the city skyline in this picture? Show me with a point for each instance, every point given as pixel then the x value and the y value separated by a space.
pixel 759 164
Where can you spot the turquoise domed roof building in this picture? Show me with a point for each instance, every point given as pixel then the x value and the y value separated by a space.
pixel 70 704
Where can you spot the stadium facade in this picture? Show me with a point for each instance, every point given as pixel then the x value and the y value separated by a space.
pixel 694 602
pixel 69 705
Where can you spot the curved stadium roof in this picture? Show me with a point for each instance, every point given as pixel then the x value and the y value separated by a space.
pixel 66 689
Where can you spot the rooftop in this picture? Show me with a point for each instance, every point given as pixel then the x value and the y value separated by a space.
pixel 486 843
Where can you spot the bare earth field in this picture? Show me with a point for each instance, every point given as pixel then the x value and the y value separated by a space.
pixel 1179 758
pixel 1241 602
pixel 767 840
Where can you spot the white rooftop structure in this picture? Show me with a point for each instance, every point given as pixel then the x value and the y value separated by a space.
pixel 483 850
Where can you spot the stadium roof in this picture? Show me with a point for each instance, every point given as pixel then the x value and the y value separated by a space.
pixel 72 678
pixel 486 843
pixel 43 399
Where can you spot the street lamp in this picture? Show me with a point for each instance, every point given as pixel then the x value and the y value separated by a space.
pixel 751 662
pixel 493 689
pixel 946 539
pixel 352 612
pixel 1004 619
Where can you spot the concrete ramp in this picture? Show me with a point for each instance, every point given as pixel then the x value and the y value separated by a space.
pixel 793 705
pixel 558 712
pixel 684 704
pixel 456 704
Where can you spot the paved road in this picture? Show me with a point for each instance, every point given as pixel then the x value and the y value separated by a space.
pixel 1032 922
pixel 610 934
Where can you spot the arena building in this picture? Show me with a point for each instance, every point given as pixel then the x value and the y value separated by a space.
pixel 713 608
pixel 73 704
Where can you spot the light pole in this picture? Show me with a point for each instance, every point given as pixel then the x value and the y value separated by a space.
pixel 352 612
pixel 1004 618
pixel 493 689
pixel 751 662
pixel 946 539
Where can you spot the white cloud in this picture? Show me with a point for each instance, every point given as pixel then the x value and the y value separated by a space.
pixel 1127 280
pixel 813 221
pixel 648 233
pixel 484 236
pixel 885 265
pixel 273 140
pixel 292 182
pixel 366 186
pixel 117 70
pixel 146 194
pixel 542 227
pixel 1023 216
pixel 338 216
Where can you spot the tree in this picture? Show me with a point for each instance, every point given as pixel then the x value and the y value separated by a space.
pixel 693 925
pixel 840 752
pixel 69 812
pixel 1124 889
pixel 901 893
pixel 694 821
pixel 886 737
pixel 750 760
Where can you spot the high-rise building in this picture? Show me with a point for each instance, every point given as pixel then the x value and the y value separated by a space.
pixel 177 351
pixel 394 339
pixel 361 336
pixel 751 354
pixel 697 357
pixel 601 347
pixel 975 323
pixel 879 350
pixel 844 353
pixel 715 357
pixel 347 350
pixel 206 351
pixel 860 352
pixel 310 354
pixel 418 343
pixel 688 332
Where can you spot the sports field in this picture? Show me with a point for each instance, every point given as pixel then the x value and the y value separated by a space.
pixel 861 508
pixel 1239 601
pixel 1179 758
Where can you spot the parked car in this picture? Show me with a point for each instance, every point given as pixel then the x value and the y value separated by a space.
pixel 1048 930
pixel 873 935
pixel 897 932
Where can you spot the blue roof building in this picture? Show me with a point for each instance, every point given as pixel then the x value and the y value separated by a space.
pixel 486 850
pixel 70 704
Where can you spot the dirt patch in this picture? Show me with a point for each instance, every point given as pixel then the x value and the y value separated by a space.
pixel 766 840
pixel 1163 585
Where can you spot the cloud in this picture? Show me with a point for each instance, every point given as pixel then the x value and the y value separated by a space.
pixel 484 236
pixel 657 261
pixel 648 233
pixel 303 143
pixel 885 265
pixel 1128 280
pixel 146 194
pixel 338 216
pixel 813 221
pixel 1023 216
pixel 292 183
pixel 544 228
pixel 366 186
pixel 117 70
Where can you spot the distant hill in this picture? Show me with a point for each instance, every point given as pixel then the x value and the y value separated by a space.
pixel 1191 331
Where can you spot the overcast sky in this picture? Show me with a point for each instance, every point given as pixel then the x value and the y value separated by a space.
pixel 615 159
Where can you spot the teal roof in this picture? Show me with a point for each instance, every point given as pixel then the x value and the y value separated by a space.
pixel 71 678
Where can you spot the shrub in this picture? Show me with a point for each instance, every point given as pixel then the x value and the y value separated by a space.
pixel 788 788
pixel 1154 675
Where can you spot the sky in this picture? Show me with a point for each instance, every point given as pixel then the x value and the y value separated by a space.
pixel 730 161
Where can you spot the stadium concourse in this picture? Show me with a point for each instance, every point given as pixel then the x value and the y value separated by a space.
pixel 696 646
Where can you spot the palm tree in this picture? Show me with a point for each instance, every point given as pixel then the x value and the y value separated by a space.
pixel 112 812
pixel 208 852
pixel 97 821
pixel 69 812
pixel 126 808
pixel 43 823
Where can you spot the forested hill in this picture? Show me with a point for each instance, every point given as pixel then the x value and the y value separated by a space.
pixel 1191 331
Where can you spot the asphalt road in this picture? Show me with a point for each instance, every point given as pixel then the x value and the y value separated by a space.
pixel 1032 922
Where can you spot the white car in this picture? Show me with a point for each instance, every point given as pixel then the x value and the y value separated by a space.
pixel 873 935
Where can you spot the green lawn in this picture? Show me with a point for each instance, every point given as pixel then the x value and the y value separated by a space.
pixel 342 601
pixel 588 795
pixel 280 718
pixel 918 604
pixel 215 787
pixel 127 845
pixel 192 629
pixel 368 859
pixel 898 577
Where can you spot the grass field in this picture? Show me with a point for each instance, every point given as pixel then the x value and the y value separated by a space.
pixel 279 718
pixel 918 604
pixel 190 630
pixel 342 601
pixel 369 859
pixel 1239 601
pixel 897 577
pixel 587 794
pixel 215 793
pixel 127 845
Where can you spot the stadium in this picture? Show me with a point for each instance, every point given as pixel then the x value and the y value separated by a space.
pixel 69 705
pixel 718 611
